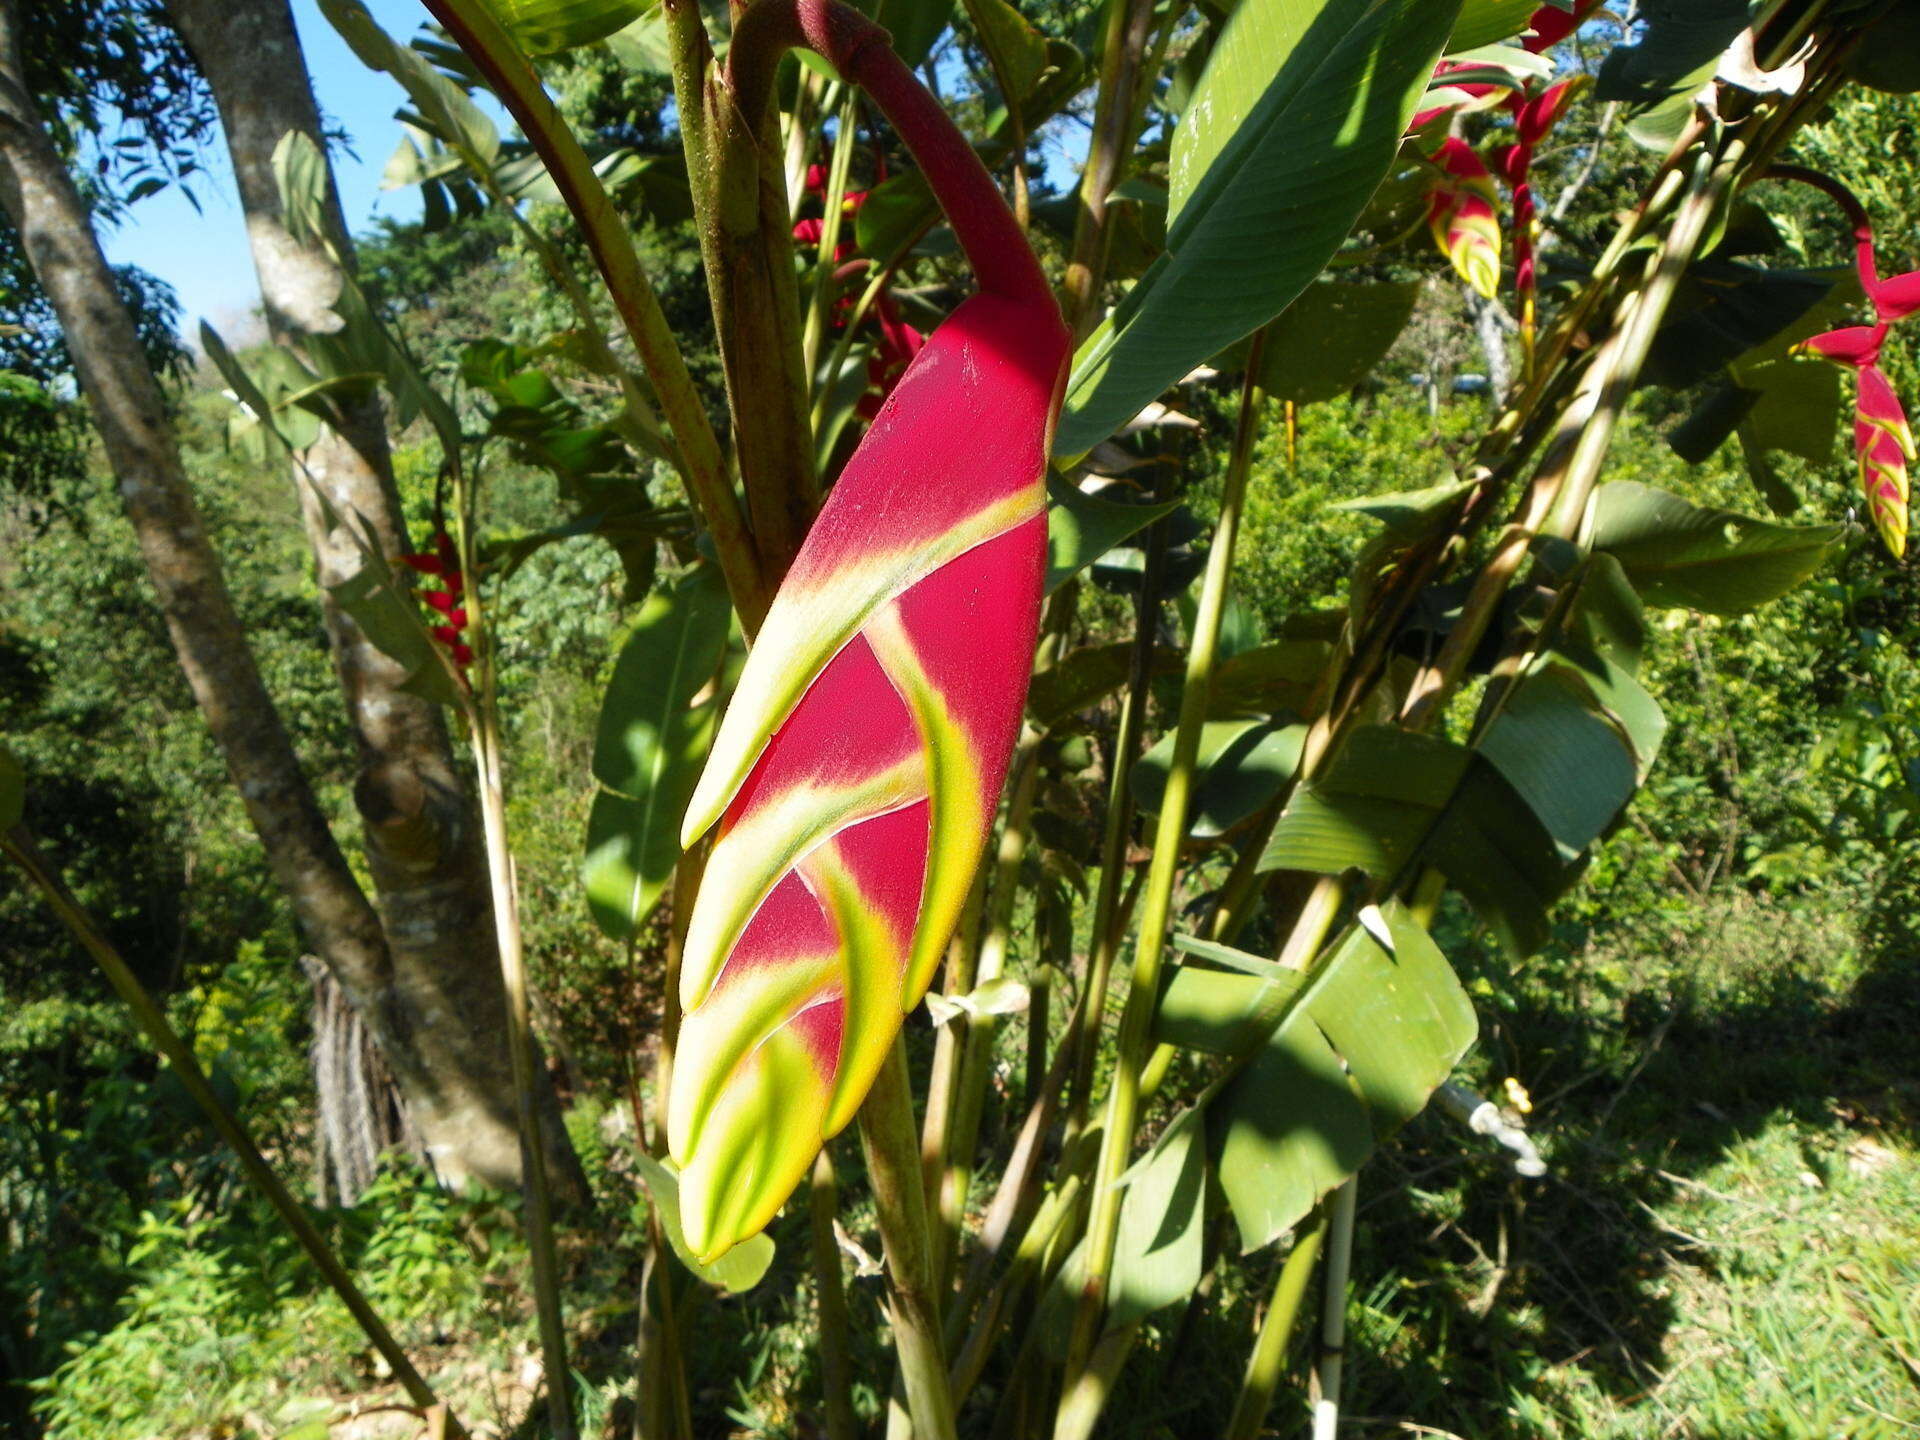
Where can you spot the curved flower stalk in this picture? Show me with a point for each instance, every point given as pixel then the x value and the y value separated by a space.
pixel 854 779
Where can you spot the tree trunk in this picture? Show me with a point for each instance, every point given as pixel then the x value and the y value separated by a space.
pixel 434 1002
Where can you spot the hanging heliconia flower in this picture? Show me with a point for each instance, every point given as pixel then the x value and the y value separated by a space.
pixel 1882 439
pixel 1462 217
pixel 442 563
pixel 1534 117
pixel 855 775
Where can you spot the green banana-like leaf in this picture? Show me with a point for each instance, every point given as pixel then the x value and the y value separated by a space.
pixel 1299 114
pixel 1680 554
pixel 1392 797
pixel 1369 1035
pixel 1241 767
pixel 547 27
pixel 1082 527
pixel 651 742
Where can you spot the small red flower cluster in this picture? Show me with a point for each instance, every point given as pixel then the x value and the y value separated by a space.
pixel 1461 208
pixel 443 564
pixel 897 342
pixel 1882 439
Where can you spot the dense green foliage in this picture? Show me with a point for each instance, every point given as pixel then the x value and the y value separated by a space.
pixel 1712 1048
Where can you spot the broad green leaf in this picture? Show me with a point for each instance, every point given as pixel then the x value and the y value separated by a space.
pixel 1017 51
pixel 1392 797
pixel 644 45
pixel 1297 118
pixel 1574 770
pixel 1216 1012
pixel 1241 767
pixel 1266 679
pixel 650 744
pixel 1598 650
pixel 1159 1251
pixel 1410 514
pixel 1082 527
pixel 1726 309
pixel 1678 46
pixel 1482 22
pixel 1677 553
pixel 1367 1037
pixel 300 174
pixel 1331 338
pixel 547 27
pixel 13 790
pixel 738 1270
pixel 1796 407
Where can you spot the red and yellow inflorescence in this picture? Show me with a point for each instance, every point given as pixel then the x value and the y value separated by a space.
pixel 854 778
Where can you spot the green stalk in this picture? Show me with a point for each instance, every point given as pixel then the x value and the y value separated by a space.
pixel 950 1041
pixel 820 308
pixel 1083 1033
pixel 1333 1318
pixel 830 1293
pixel 890 1143
pixel 1122 49
pixel 1269 1358
pixel 483 716
pixel 19 847
pixel 1136 1021
pixel 474 28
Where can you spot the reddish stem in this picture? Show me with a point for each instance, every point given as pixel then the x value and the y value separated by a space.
pixel 863 53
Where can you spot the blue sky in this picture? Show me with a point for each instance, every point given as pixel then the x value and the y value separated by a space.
pixel 204 255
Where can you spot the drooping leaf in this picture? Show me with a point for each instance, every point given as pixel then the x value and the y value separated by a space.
pixel 1573 769
pixel 382 605
pixel 1366 1037
pixel 1242 765
pixel 651 741
pixel 1293 125
pixel 1158 1253
pixel 1265 679
pixel 1677 553
pixel 547 27
pixel 1083 527
pixel 442 104
pixel 1017 51
pixel 1483 22
pixel 1392 796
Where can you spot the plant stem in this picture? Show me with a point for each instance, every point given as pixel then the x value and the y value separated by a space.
pixel 830 1293
pixel 889 1141
pixel 19 847
pixel 483 720
pixel 1083 1035
pixel 1136 1039
pixel 820 309
pixel 1333 1314
pixel 1269 1357
pixel 520 1050
pixel 1129 23
pixel 474 28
